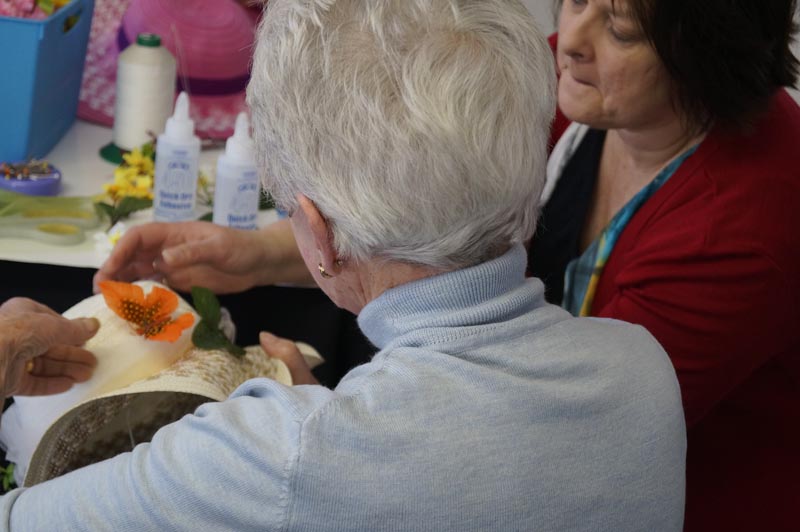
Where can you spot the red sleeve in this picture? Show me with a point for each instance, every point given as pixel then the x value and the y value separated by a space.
pixel 718 292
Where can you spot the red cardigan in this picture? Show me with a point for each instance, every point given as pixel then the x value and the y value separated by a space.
pixel 710 265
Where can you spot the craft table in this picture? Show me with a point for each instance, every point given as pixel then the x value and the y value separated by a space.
pixel 60 276
pixel 84 174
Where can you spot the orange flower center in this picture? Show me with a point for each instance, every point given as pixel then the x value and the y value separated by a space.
pixel 151 315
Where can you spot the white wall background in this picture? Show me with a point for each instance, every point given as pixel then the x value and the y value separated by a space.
pixel 543 11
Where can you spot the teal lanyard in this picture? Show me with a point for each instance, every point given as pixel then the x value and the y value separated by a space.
pixel 583 273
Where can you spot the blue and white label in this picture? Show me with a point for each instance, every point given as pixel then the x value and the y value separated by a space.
pixel 175 186
pixel 236 199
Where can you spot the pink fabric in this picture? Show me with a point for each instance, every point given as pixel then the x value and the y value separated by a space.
pixel 21 9
pixel 210 39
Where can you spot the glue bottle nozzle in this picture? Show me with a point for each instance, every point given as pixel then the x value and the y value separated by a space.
pixel 179 125
pixel 240 146
pixel 242 128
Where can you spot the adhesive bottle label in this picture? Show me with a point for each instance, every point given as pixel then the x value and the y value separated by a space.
pixel 236 201
pixel 236 191
pixel 175 187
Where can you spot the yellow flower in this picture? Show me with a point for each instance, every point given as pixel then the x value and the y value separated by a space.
pixel 125 174
pixel 144 182
pixel 134 178
pixel 112 191
pixel 142 164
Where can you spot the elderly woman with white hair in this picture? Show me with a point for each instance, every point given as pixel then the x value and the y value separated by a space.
pixel 407 141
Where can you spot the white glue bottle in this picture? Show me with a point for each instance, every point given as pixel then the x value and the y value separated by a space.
pixel 236 190
pixel 177 158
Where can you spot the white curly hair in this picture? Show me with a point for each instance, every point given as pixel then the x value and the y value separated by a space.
pixel 419 128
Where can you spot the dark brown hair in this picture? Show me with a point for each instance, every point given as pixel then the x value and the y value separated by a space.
pixel 726 57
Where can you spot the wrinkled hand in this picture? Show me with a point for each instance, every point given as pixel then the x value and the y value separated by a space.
pixel 40 350
pixel 188 254
pixel 287 351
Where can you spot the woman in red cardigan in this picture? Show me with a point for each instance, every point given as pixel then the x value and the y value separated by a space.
pixel 674 202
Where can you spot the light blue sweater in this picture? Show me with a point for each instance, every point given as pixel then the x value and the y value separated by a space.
pixel 486 409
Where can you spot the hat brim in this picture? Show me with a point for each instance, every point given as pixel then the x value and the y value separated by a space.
pixel 113 423
pixel 137 387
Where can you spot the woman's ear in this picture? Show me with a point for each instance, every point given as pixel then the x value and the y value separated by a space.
pixel 320 232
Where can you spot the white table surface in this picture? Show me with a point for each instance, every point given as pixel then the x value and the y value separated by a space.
pixel 84 173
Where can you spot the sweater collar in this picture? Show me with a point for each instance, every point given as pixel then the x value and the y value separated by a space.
pixel 463 297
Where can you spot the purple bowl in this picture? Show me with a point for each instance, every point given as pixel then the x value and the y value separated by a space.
pixel 40 184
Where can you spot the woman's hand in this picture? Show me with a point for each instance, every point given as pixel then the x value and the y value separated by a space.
pixel 289 354
pixel 40 350
pixel 221 259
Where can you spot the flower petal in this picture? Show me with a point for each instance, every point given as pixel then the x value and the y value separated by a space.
pixel 144 181
pixel 163 301
pixel 170 330
pixel 125 299
pixel 151 313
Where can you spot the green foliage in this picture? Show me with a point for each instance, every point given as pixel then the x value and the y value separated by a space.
pixel 48 6
pixel 104 210
pixel 124 208
pixel 208 335
pixel 129 204
pixel 149 150
pixel 207 305
pixel 7 475
pixel 265 201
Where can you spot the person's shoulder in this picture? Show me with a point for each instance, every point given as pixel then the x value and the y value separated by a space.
pixel 295 404
pixel 624 351
pixel 782 114
pixel 742 185
pixel 767 148
pixel 625 371
pixel 750 184
pixel 616 335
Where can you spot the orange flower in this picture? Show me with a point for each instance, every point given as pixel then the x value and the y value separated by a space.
pixel 152 315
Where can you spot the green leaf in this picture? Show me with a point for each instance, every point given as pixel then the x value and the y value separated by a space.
pixel 46 5
pixel 207 336
pixel 207 217
pixel 104 209
pixel 149 150
pixel 235 349
pixel 128 205
pixel 265 201
pixel 207 305
pixel 7 474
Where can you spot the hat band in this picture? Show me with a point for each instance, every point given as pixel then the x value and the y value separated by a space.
pixel 198 86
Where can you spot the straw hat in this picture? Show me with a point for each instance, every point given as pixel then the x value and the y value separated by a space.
pixel 212 41
pixel 138 386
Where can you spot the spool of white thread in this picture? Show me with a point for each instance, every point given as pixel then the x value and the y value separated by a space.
pixel 145 91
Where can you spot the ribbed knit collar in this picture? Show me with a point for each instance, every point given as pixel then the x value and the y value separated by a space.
pixel 471 296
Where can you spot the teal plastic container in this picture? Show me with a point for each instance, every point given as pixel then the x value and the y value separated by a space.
pixel 41 65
